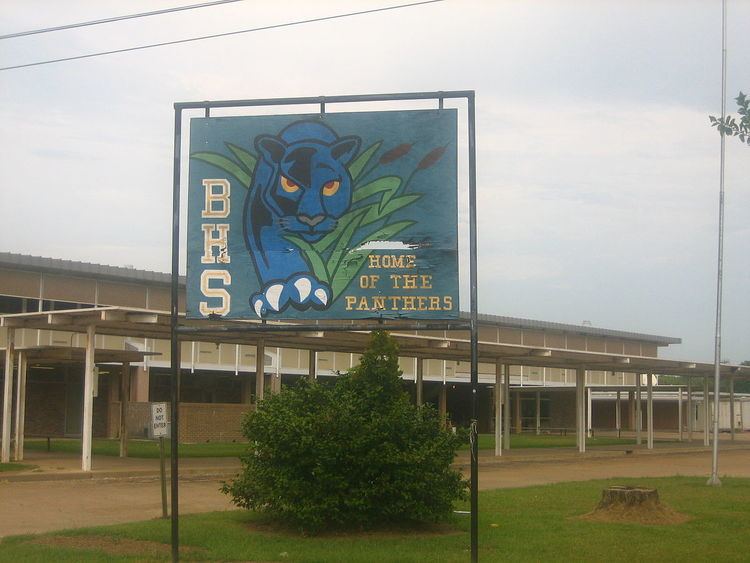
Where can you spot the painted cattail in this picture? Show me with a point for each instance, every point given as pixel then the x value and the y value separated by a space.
pixel 395 153
pixel 431 158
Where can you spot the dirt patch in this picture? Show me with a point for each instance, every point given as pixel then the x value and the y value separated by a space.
pixel 425 530
pixel 116 546
pixel 661 516
pixel 634 505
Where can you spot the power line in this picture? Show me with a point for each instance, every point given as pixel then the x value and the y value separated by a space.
pixel 116 19
pixel 226 34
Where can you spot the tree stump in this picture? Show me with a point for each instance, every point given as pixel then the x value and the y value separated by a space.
pixel 633 504
pixel 628 497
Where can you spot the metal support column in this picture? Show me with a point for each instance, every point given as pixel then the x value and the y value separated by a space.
pixel 538 413
pixel 276 376
pixel 443 404
pixel 679 414
pixel 731 407
pixel 618 415
pixel 589 431
pixel 650 411
pixel 419 381
pixel 124 407
pixel 506 410
pixel 8 395
pixel 260 370
pixel 581 409
pixel 88 399
pixel 312 368
pixel 706 414
pixel 499 393
pixel 638 410
pixel 20 406
pixel 690 413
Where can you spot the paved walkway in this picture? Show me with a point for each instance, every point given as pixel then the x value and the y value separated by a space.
pixel 58 495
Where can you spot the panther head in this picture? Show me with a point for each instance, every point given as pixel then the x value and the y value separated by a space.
pixel 309 187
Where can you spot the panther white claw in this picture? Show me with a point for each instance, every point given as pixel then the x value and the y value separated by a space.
pixel 322 296
pixel 304 286
pixel 273 295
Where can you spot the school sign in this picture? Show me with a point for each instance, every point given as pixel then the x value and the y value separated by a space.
pixel 332 216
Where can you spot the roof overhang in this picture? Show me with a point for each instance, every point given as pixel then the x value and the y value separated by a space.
pixel 74 355
pixel 338 337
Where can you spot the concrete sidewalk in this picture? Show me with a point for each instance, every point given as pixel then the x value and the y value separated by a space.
pixel 54 466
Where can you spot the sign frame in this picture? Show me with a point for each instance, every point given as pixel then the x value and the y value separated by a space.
pixel 179 329
pixel 368 227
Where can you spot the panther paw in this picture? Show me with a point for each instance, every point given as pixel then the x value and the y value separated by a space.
pixel 300 291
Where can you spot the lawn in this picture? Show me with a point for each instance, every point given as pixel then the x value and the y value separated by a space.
pixel 521 441
pixel 15 467
pixel 529 524
pixel 150 448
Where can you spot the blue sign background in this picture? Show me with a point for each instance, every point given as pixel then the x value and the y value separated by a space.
pixel 356 219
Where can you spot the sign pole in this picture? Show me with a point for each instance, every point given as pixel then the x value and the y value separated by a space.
pixel 175 345
pixel 163 475
pixel 474 330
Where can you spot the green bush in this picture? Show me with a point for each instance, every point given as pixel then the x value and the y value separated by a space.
pixel 355 454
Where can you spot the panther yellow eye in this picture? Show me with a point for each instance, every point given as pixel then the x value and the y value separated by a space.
pixel 288 185
pixel 330 188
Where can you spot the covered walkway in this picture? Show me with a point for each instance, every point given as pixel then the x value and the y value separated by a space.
pixel 421 344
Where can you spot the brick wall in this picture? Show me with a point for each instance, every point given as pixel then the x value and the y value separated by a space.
pixel 199 422
pixel 211 422
pixel 45 408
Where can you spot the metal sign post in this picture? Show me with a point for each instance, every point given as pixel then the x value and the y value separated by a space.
pixel 399 264
pixel 160 429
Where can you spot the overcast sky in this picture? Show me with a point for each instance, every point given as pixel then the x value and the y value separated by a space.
pixel 598 173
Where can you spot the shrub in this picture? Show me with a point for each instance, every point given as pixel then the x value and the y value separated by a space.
pixel 356 453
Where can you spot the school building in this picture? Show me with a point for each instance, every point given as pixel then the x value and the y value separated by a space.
pixel 62 322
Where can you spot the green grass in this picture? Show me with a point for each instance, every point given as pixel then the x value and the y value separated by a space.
pixel 139 448
pixel 150 448
pixel 529 524
pixel 520 441
pixel 15 467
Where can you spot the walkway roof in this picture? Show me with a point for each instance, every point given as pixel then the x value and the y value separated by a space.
pixel 451 345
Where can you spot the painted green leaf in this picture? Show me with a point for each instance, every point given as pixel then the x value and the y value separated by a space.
pixel 247 159
pixel 314 260
pixel 325 243
pixel 388 184
pixel 342 245
pixel 352 262
pixel 350 266
pixel 394 205
pixel 222 162
pixel 359 163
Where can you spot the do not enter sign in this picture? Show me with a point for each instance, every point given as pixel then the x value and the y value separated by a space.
pixel 159 422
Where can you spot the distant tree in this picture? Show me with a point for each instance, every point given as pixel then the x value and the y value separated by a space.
pixel 744 385
pixel 735 127
pixel 353 454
